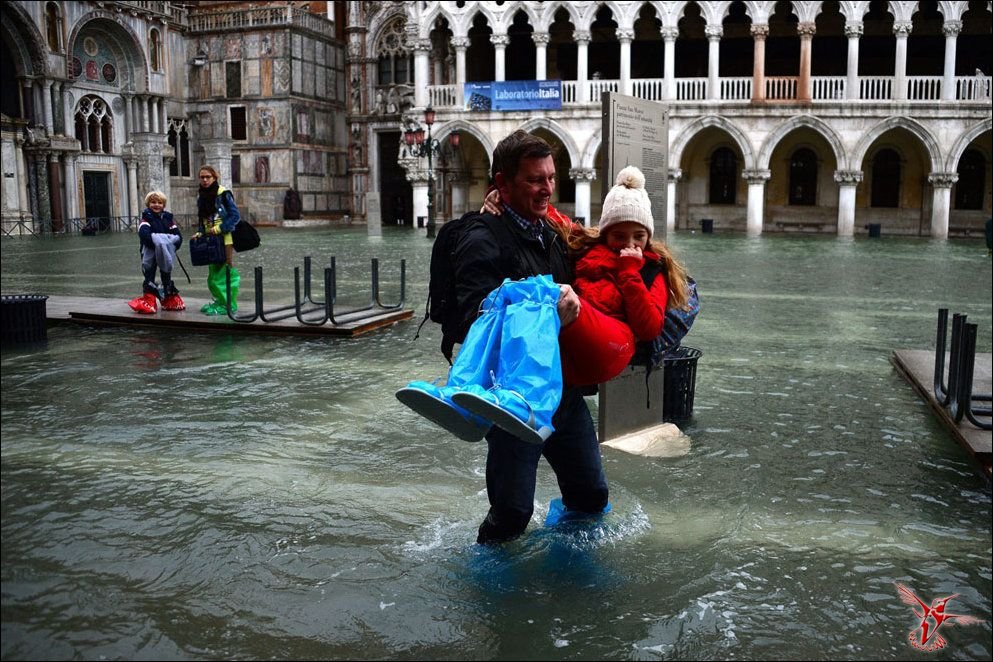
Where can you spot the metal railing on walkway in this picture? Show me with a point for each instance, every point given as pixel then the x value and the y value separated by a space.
pixel 956 396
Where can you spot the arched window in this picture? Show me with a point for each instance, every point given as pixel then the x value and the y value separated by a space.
pixel 53 26
pixel 885 179
pixel 154 49
pixel 94 125
pixel 803 177
pixel 723 176
pixel 970 188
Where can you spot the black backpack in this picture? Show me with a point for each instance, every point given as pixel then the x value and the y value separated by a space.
pixel 245 237
pixel 442 306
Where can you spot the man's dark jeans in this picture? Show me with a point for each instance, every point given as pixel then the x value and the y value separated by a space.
pixel 512 466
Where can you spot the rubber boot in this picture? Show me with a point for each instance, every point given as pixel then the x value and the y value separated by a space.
pixel 473 367
pixel 218 286
pixel 146 304
pixel 171 299
pixel 527 382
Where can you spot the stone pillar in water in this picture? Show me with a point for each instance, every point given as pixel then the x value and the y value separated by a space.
pixel 756 199
pixel 848 181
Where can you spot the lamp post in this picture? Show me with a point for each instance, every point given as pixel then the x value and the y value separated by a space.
pixel 420 148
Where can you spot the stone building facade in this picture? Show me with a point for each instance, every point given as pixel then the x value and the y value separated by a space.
pixel 784 116
pixel 105 101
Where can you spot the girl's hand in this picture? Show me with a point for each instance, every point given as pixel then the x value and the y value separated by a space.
pixel 632 251
pixel 491 203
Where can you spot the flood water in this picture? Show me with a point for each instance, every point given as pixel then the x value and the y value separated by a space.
pixel 203 496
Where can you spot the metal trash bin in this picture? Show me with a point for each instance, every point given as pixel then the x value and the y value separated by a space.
pixel 707 225
pixel 420 221
pixel 679 373
pixel 23 318
pixel 874 230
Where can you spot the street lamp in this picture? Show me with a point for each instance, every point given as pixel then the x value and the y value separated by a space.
pixel 420 148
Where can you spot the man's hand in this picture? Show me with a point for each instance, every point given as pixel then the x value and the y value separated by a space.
pixel 569 304
pixel 491 203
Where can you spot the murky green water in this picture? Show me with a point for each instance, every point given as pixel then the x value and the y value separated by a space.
pixel 203 496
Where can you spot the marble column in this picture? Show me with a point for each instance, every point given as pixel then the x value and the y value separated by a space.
pixel 714 34
pixel 941 205
pixel 675 174
pixel 133 195
pixel 422 47
pixel 46 97
pixel 951 30
pixel 669 65
pixel 540 40
pixel 71 187
pixel 806 32
pixel 848 181
pixel 55 190
pixel 217 153
pixel 759 34
pixel 145 124
pixel 582 39
pixel 583 178
pixel 756 199
pixel 902 30
pixel 854 32
pixel 22 181
pixel 500 42
pixel 460 44
pixel 42 194
pixel 625 36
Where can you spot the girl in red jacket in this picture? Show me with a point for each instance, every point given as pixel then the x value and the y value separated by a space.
pixel 628 278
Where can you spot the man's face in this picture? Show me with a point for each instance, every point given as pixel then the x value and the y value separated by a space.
pixel 531 188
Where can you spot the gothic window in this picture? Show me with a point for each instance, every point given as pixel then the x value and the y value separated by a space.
pixel 723 177
pixel 803 177
pixel 179 140
pixel 154 49
pixel 969 189
pixel 236 169
pixel 885 179
pixel 94 125
pixel 396 64
pixel 53 26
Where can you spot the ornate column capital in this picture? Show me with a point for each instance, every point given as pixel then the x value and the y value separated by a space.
pixel 582 174
pixel 760 32
pixel 501 40
pixel 756 176
pixel 853 29
pixel 624 34
pixel 460 43
pixel 582 36
pixel 806 29
pixel 943 179
pixel 421 44
pixel 540 38
pixel 675 174
pixel 902 28
pixel 848 177
pixel 714 32
pixel 952 28
pixel 670 34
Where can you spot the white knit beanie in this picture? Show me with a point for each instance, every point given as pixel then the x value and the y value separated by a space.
pixel 628 201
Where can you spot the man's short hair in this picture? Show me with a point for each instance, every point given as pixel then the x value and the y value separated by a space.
pixel 513 149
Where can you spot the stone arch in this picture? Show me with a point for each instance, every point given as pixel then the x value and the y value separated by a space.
pixel 592 149
pixel 549 15
pixel 508 17
pixel 555 129
pixel 380 22
pixel 914 127
pixel 801 121
pixel 123 42
pixel 962 143
pixel 470 128
pixel 696 126
pixel 19 32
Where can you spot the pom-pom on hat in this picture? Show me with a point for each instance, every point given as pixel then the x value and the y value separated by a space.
pixel 628 201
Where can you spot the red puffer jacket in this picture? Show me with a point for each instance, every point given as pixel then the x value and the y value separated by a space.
pixel 617 310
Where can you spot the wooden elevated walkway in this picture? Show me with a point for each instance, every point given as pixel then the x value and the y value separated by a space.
pixel 917 367
pixel 115 312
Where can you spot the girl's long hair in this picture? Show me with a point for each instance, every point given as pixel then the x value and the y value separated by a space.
pixel 580 240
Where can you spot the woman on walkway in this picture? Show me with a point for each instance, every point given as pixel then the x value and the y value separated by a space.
pixel 218 215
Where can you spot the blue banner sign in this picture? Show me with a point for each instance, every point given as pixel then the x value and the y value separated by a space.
pixel 514 95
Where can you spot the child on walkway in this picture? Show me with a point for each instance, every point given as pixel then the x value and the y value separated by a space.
pixel 515 381
pixel 159 238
